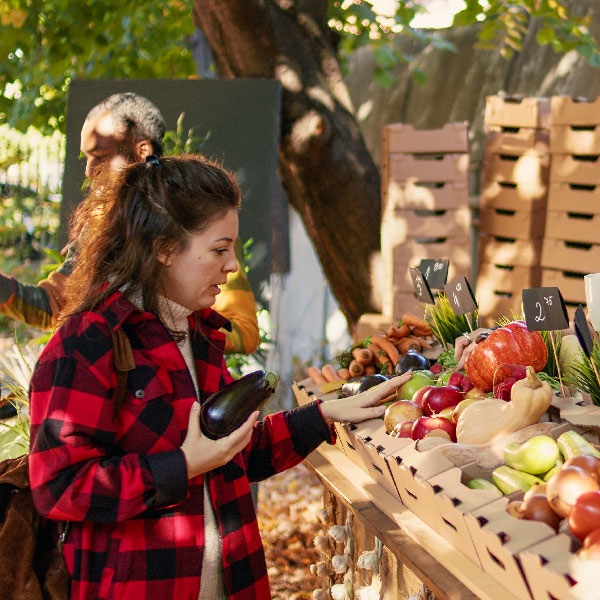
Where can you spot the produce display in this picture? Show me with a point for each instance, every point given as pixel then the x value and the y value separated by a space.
pixel 499 416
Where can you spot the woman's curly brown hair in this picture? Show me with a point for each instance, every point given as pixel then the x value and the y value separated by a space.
pixel 129 218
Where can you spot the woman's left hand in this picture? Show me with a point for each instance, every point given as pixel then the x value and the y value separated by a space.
pixel 362 406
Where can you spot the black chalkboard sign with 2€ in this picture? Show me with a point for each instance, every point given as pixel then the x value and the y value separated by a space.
pixel 544 309
pixel 435 271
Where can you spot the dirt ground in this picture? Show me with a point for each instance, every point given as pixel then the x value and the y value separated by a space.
pixel 288 504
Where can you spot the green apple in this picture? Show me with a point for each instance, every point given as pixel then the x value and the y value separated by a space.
pixel 446 413
pixel 418 380
pixel 443 378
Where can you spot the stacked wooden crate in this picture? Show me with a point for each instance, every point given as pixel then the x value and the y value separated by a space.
pixel 513 202
pixel 572 245
pixel 425 211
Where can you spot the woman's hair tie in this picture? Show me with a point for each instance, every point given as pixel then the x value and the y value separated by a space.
pixel 152 160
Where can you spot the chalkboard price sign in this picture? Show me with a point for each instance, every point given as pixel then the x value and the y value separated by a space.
pixel 435 271
pixel 582 330
pixel 460 296
pixel 422 290
pixel 544 309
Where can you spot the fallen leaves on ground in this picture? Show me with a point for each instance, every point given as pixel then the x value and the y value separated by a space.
pixel 288 505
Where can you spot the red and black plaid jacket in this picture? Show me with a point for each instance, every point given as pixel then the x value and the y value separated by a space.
pixel 137 522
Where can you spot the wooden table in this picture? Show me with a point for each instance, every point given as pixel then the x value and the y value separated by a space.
pixel 443 569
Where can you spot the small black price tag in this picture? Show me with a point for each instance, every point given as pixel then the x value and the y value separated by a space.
pixel 421 286
pixel 435 271
pixel 582 330
pixel 460 295
pixel 544 309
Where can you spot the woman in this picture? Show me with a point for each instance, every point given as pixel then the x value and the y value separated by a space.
pixel 156 509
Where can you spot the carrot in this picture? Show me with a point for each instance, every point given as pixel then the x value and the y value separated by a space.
pixel 407 344
pixel 389 348
pixel 343 373
pixel 315 374
pixel 390 398
pixel 413 321
pixel 421 331
pixel 422 343
pixel 370 369
pixel 329 373
pixel 402 330
pixel 381 356
pixel 362 356
pixel 355 368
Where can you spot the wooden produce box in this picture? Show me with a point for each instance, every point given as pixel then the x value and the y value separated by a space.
pixel 398 300
pixel 528 170
pixel 429 195
pixel 377 447
pixel 402 137
pixel 519 224
pixel 511 196
pixel 516 111
pixel 373 323
pixel 570 284
pixel 516 140
pixel 575 226
pixel 566 110
pixel 428 167
pixel 581 412
pixel 453 500
pixel 399 225
pixel 456 249
pixel 499 538
pixel 573 168
pixel 550 568
pixel 575 139
pixel 411 470
pixel 495 304
pixel 510 251
pixel 568 255
pixel 573 197
pixel 352 438
pixel 398 276
pixel 507 277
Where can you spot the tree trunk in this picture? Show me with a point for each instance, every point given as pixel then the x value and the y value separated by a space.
pixel 326 170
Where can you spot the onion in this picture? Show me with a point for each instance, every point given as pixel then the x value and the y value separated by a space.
pixel 566 486
pixel 536 508
pixel 590 464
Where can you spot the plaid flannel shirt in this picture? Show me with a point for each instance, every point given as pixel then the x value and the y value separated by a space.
pixel 136 521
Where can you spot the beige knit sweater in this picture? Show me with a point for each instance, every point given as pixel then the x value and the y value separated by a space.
pixel 211 585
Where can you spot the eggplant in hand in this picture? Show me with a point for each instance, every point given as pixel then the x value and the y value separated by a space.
pixel 226 409
pixel 357 385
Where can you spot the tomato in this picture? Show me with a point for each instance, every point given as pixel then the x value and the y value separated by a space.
pixel 511 344
pixel 591 546
pixel 584 516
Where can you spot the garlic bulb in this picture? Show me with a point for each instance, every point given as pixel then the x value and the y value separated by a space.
pixel 322 544
pixel 368 560
pixel 323 516
pixel 322 569
pixel 339 563
pixel 338 533
pixel 338 591
pixel 320 595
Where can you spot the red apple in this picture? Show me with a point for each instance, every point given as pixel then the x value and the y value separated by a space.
pixel 437 399
pixel 436 368
pixel 418 395
pixel 455 379
pixel 465 384
pixel 423 425
pixel 403 430
pixel 399 411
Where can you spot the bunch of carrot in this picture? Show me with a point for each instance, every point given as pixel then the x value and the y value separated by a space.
pixel 380 352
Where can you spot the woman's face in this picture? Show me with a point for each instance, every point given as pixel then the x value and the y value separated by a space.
pixel 192 276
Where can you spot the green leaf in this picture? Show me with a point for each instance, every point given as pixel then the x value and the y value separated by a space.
pixel 385 57
pixel 383 78
pixel 418 75
pixel 544 36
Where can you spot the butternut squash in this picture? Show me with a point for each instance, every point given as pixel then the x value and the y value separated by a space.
pixel 490 419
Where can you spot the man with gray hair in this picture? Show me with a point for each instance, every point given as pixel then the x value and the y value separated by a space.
pixel 122 129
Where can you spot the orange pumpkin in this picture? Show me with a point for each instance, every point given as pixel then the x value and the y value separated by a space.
pixel 511 344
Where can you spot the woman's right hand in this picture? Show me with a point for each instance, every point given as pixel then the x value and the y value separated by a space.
pixel 203 454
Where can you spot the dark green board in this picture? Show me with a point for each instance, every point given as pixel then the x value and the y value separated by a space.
pixel 242 116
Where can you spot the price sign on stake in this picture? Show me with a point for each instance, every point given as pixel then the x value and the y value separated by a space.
pixel 435 272
pixel 582 330
pixel 545 310
pixel 421 286
pixel 460 296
